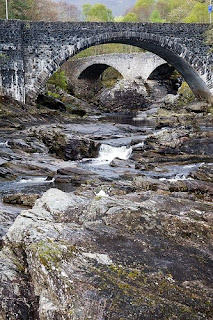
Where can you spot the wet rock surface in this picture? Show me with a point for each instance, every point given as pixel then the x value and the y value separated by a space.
pixel 128 239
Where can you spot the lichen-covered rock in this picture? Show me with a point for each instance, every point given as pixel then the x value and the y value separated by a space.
pixel 6 174
pixel 142 256
pixel 120 96
pixel 204 172
pixel 20 198
pixel 181 140
pixel 65 146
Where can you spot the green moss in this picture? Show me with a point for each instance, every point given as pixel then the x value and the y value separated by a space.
pixel 3 55
pixel 59 80
pixel 51 253
pixel 20 267
pixel 154 290
pixel 109 77
pixel 27 26
pixel 185 95
pixel 53 94
pixel 98 198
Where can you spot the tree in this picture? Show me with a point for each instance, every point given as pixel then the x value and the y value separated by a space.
pixel 45 10
pixel 163 8
pixel 179 9
pixel 97 12
pixel 143 9
pixel 67 12
pixel 86 8
pixel 155 16
pixel 199 13
pixel 130 17
pixel 143 3
pixel 18 9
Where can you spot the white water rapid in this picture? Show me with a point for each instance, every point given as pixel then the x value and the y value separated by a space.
pixel 3 144
pixel 107 153
pixel 35 180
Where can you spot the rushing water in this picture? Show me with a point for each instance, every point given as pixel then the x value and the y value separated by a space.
pixel 107 153
pixel 3 144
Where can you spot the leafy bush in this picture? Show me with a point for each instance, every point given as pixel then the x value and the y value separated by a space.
pixel 59 80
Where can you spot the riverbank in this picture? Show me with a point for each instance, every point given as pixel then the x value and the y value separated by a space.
pixel 125 228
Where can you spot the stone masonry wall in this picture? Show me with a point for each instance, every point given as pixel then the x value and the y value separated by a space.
pixel 36 49
pixel 11 60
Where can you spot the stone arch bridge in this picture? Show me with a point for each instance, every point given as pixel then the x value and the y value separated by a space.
pixel 31 51
pixel 130 66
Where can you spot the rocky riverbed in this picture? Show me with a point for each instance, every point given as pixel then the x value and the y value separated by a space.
pixel 106 216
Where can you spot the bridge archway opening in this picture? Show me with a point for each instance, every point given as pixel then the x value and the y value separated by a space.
pixel 98 71
pixel 93 79
pixel 190 66
pixel 162 72
pixel 93 72
pixel 182 59
pixel 167 75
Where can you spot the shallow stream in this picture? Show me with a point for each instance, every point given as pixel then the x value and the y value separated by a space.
pixel 113 145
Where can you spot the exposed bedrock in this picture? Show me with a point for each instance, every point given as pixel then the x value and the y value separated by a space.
pixel 76 256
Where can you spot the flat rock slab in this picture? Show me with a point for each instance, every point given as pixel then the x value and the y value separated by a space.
pixel 74 171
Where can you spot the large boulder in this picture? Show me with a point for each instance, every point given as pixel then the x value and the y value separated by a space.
pixel 65 146
pixel 51 102
pixel 142 256
pixel 180 140
pixel 125 95
pixel 21 199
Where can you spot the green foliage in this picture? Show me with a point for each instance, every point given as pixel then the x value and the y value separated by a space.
pixel 107 49
pixel 17 9
pixel 190 11
pixel 144 3
pixel 109 77
pixel 97 12
pixel 163 8
pixel 198 13
pixel 155 16
pixel 53 94
pixel 143 9
pixel 130 17
pixel 59 80
pixel 185 95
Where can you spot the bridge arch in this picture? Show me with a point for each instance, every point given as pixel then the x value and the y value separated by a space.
pixel 176 54
pixel 162 72
pixel 94 71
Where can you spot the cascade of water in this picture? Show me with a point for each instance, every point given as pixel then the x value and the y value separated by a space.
pixel 35 180
pixel 3 144
pixel 107 153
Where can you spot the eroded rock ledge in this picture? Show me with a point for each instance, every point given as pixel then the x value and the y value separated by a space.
pixel 83 256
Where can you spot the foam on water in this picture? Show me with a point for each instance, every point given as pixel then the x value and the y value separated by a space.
pixel 107 153
pixel 178 177
pixel 35 180
pixel 3 144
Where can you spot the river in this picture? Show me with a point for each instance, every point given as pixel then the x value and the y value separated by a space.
pixel 108 216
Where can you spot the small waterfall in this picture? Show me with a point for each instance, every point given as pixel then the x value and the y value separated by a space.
pixel 3 144
pixel 107 153
pixel 35 180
